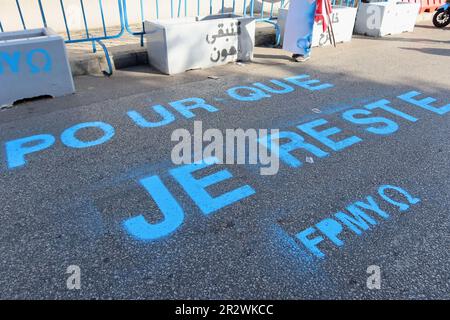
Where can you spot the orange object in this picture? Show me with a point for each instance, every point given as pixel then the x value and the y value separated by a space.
pixel 427 5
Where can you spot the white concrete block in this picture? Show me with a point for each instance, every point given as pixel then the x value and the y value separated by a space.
pixel 177 45
pixel 33 63
pixel 382 18
pixel 343 20
pixel 407 16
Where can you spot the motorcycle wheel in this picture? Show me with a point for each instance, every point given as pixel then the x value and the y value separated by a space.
pixel 441 18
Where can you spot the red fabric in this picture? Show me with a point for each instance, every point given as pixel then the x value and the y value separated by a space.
pixel 321 12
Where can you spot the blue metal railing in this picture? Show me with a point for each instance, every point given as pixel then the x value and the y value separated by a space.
pixel 247 8
pixel 264 13
pixel 261 10
pixel 99 38
pixel 69 37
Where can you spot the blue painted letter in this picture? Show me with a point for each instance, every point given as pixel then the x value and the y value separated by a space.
pixel 69 139
pixel 296 142
pixel 308 83
pixel 34 68
pixel 383 104
pixel 331 228
pixel 402 206
pixel 285 88
pixel 389 127
pixel 195 188
pixel 168 117
pixel 424 103
pixel 139 228
pixel 310 243
pixel 16 151
pixel 254 95
pixel 323 135
pixel 185 106
pixel 12 61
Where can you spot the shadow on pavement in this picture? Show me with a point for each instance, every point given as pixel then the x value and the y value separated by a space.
pixel 433 51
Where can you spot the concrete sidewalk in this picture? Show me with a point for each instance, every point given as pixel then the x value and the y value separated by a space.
pixel 127 51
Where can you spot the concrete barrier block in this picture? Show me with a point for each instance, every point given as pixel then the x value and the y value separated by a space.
pixel 378 19
pixel 343 20
pixel 177 45
pixel 33 63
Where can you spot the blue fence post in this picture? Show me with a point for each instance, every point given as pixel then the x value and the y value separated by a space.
pixel 105 49
pixel 141 6
pixel 171 8
pixel 21 14
pixel 100 3
pixel 94 48
pixel 262 9
pixel 157 9
pixel 44 20
pixel 65 19
pixel 142 21
pixel 124 16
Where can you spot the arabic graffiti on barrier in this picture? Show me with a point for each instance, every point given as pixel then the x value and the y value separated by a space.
pixel 317 137
pixel 325 36
pixel 219 53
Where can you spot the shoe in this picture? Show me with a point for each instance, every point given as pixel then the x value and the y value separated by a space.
pixel 300 58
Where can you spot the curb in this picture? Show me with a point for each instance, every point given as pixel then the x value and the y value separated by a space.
pixel 125 56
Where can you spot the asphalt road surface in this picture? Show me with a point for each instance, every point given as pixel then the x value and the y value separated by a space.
pixel 67 204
